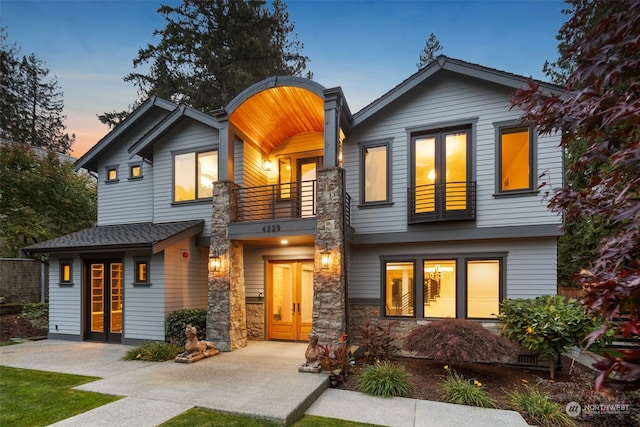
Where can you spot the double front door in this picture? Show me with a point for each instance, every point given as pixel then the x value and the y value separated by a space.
pixel 289 299
pixel 104 299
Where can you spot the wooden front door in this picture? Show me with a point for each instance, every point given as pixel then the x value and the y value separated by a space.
pixel 289 299
pixel 104 300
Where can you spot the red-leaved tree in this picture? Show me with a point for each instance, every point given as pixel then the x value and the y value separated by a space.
pixel 600 108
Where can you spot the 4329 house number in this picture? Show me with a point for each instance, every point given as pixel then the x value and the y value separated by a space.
pixel 271 228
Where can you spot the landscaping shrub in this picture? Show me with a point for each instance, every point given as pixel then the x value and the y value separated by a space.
pixel 546 324
pixel 540 408
pixel 458 340
pixel 462 391
pixel 377 342
pixel 37 314
pixel 177 321
pixel 384 380
pixel 336 359
pixel 153 351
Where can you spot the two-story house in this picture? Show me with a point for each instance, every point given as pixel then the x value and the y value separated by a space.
pixel 284 213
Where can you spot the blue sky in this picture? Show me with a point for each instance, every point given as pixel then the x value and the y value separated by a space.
pixel 366 47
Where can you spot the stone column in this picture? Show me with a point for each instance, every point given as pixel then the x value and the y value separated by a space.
pixel 226 313
pixel 329 285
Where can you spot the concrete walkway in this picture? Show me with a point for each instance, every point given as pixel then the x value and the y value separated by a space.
pixel 261 380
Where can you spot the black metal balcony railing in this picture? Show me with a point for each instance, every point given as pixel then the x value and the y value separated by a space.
pixel 442 202
pixel 292 200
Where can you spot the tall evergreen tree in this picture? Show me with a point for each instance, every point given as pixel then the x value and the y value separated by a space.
pixel 209 51
pixel 429 52
pixel 32 104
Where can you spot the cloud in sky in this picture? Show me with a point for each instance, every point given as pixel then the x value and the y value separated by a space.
pixel 366 47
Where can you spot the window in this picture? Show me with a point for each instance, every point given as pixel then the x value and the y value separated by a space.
pixel 483 288
pixel 284 177
pixel 111 173
pixel 66 271
pixel 375 163
pixel 399 288
pixel 515 166
pixel 441 177
pixel 453 286
pixel 194 175
pixel 439 288
pixel 135 171
pixel 141 270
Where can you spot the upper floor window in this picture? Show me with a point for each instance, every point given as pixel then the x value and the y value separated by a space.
pixel 441 187
pixel 111 173
pixel 194 175
pixel 135 171
pixel 515 159
pixel 375 161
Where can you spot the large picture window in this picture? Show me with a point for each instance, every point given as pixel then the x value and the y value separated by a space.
pixel 194 175
pixel 516 159
pixel 455 287
pixel 375 173
pixel 441 187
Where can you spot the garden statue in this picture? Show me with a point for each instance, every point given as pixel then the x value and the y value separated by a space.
pixel 194 349
pixel 313 354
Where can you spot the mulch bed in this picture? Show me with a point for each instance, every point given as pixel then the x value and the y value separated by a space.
pixel 14 326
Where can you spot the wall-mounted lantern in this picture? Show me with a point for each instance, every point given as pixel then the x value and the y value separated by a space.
pixel 267 165
pixel 215 262
pixel 325 259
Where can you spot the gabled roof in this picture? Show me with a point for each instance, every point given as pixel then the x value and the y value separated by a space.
pixel 89 160
pixel 146 236
pixel 144 146
pixel 450 64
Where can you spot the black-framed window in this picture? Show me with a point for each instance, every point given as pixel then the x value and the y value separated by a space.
pixel 111 173
pixel 441 175
pixel 375 182
pixel 194 174
pixel 515 165
pixel 141 271
pixel 448 286
pixel 66 271
pixel 135 171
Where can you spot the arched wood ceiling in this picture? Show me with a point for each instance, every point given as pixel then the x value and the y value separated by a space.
pixel 278 113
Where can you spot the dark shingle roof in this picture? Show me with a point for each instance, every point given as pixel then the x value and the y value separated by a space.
pixel 155 237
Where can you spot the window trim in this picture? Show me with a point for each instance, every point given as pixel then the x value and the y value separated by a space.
pixel 108 169
pixel 196 152
pixel 514 126
pixel 62 263
pixel 461 281
pixel 363 146
pixel 136 278
pixel 133 165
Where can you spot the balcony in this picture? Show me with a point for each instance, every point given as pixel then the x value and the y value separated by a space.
pixel 450 201
pixel 280 201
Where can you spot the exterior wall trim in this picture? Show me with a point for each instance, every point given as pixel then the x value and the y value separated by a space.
pixel 440 233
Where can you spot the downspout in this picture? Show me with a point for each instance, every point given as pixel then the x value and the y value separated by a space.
pixel 42 278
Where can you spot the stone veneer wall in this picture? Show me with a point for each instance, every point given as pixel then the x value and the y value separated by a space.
pixel 329 286
pixel 255 321
pixel 226 313
pixel 400 328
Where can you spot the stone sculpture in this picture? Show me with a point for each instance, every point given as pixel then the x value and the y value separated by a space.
pixel 194 349
pixel 313 354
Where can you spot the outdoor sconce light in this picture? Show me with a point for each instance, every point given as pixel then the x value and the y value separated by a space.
pixel 215 262
pixel 325 259
pixel 266 165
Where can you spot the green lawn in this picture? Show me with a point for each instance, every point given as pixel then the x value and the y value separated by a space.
pixel 209 418
pixel 38 398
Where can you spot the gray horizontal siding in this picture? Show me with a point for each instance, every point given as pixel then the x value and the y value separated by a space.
pixel 189 135
pixel 445 100
pixel 65 305
pixel 531 264
pixel 144 305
